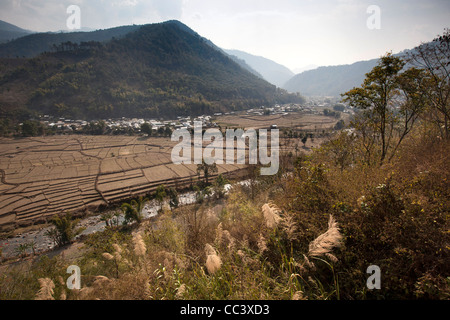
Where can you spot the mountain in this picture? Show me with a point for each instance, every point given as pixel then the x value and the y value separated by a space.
pixel 240 62
pixel 305 68
pixel 37 43
pixel 331 80
pixel 9 31
pixel 334 80
pixel 158 70
pixel 244 65
pixel 43 42
pixel 271 71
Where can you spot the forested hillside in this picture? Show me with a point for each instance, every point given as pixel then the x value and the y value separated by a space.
pixel 158 70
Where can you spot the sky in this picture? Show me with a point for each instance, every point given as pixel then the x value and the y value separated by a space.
pixel 294 33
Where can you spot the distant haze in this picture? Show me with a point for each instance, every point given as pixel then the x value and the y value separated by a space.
pixel 305 68
pixel 271 71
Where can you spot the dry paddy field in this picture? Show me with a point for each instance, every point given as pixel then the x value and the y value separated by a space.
pixel 297 121
pixel 300 121
pixel 44 176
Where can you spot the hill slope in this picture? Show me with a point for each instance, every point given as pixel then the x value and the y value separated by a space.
pixel 9 31
pixel 271 71
pixel 330 81
pixel 158 70
pixel 37 43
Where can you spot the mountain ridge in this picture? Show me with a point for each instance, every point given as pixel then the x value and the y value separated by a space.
pixel 9 32
pixel 330 80
pixel 270 70
pixel 31 45
pixel 157 70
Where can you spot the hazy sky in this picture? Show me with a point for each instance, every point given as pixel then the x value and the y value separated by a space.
pixel 294 33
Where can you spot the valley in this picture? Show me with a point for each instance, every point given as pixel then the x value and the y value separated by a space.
pixel 44 176
pixel 155 165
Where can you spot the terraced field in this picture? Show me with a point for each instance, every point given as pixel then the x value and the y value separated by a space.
pixel 296 120
pixel 41 177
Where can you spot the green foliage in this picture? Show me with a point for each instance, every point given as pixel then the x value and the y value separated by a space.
pixel 329 113
pixel 21 282
pixel 339 107
pixel 133 209
pixel 432 58
pixel 304 139
pixel 160 194
pixel 161 70
pixel 146 128
pixel 207 170
pixel 31 128
pixel 111 219
pixel 339 125
pixel 64 230
pixel 376 97
pixel 219 184
pixel 173 197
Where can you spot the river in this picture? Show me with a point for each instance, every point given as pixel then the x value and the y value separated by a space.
pixel 92 224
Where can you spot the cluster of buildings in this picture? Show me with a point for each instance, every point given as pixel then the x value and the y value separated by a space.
pixel 277 109
pixel 134 124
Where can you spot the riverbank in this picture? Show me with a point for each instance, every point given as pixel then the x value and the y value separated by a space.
pixel 42 244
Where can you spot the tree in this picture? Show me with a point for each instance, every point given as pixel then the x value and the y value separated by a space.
pixel 367 136
pixel 434 57
pixel 219 185
pixel 199 195
pixel 341 150
pixel 339 125
pixel 30 128
pixel 412 84
pixel 146 128
pixel 21 250
pixel 173 197
pixel 167 131
pixel 64 230
pixel 376 98
pixel 160 194
pixel 304 139
pixel 207 170
pixel 161 131
pixel 339 107
pixel 110 218
pixel 133 209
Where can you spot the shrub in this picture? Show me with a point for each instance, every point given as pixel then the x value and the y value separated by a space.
pixel 64 230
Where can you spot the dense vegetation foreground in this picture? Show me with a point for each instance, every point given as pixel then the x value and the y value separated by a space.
pixel 376 194
pixel 309 234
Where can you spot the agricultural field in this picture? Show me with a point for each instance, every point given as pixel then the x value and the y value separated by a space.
pixel 44 176
pixel 304 121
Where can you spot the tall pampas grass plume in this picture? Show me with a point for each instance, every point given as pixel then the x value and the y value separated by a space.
pixel 107 256
pixel 262 244
pixel 326 242
pixel 271 214
pixel 139 245
pixel 46 290
pixel 213 261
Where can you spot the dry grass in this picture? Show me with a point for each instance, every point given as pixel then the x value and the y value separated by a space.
pixel 326 242
pixel 271 214
pixel 46 291
pixel 310 235
pixel 139 245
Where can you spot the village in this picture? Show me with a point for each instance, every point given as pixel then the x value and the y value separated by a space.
pixel 135 125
